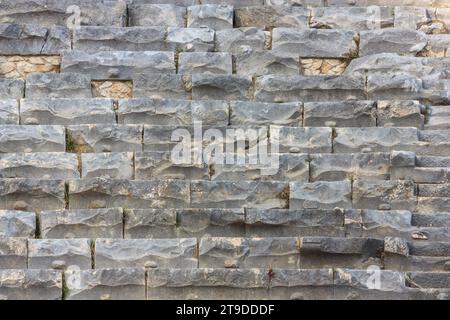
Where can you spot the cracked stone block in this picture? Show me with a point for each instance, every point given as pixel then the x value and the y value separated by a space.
pixel 13 253
pixel 336 167
pixel 45 166
pixel 221 87
pixel 301 140
pixel 381 224
pixel 320 195
pixel 289 223
pixel 384 195
pixel 32 39
pixel 21 66
pixel 268 17
pixel 247 253
pixel 9 111
pixel 257 113
pixel 161 165
pixel 162 86
pixel 58 85
pixel 66 111
pixel 166 15
pixel 117 64
pixel 239 194
pixel 96 223
pixel 438 118
pixel 31 284
pixel 150 223
pixel 165 112
pixel 212 284
pixel 217 17
pixel 105 138
pixel 265 62
pixel 107 165
pixel 59 254
pixel 94 39
pixel 240 39
pixel 14 138
pixel 327 252
pixel 401 41
pixel 12 88
pixel 148 253
pixel 315 43
pixel 105 284
pixel 112 89
pixel 17 224
pixel 356 18
pixel 31 194
pixel 205 62
pixel 350 140
pixel 191 39
pixel 98 193
pixel 400 114
pixel 340 114
pixel 315 67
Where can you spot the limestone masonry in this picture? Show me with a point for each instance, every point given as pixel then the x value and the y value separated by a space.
pixel 350 97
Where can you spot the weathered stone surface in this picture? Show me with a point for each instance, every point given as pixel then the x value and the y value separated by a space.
pixel 21 66
pixel 31 139
pixel 205 62
pixel 151 253
pixel 217 17
pixel 437 46
pixel 301 140
pixel 107 165
pixel 317 67
pixel 247 253
pixel 55 165
pixel 150 223
pixel 116 89
pixel 381 224
pixel 258 63
pixel 401 41
pixel 31 194
pixel 12 88
pixel 320 195
pixel 104 193
pixel 159 139
pixel 9 111
pixel 162 86
pixel 210 113
pixel 31 284
pixel 221 87
pixel 191 39
pixel 181 3
pixel 53 85
pixel 98 223
pixel 400 114
pixel 256 113
pixel 117 64
pixel 438 119
pixel 167 15
pixel 17 224
pixel 105 284
pixel 105 138
pixel 13 253
pixel 268 17
pixel 235 3
pixel 66 111
pixel 428 279
pixel 23 39
pixel 240 39
pixel 46 254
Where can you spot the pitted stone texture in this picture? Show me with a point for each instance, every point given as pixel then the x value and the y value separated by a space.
pixel 107 165
pixel 98 223
pixel 13 253
pixel 400 114
pixel 66 111
pixel 320 195
pixel 150 223
pixel 32 39
pixel 239 194
pixel 31 194
pixel 265 62
pixel 301 140
pixel 105 284
pixel 28 139
pixel 117 64
pixel 314 67
pixel 151 253
pixel 162 86
pixel 256 113
pixel 105 193
pixel 54 165
pixel 166 15
pixel 21 66
pixel 12 88
pixel 31 284
pixel 205 62
pixel 53 85
pixel 112 89
pixel 399 41
pixel 9 111
pixel 191 39
pixel 17 224
pixel 268 17
pixel 240 39
pixel 52 254
pixel 217 17
pixel 221 87
pixel 105 138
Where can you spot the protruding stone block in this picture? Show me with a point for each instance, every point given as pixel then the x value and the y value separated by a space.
pixel 191 39
pixel 400 114
pixel 268 17
pixel 58 85
pixel 17 224
pixel 108 165
pixel 13 253
pixel 301 140
pixel 240 39
pixel 29 139
pixel 205 62
pixel 401 41
pixel 221 87
pixel 150 223
pixel 320 195
pixel 162 86
pixel 257 113
pixel 217 17
pixel 152 14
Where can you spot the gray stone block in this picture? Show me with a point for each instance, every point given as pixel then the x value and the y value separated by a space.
pixel 191 39
pixel 55 85
pixel 250 62
pixel 401 41
pixel 221 87
pixel 166 15
pixel 32 139
pixel 9 111
pixel 217 17
pixel 12 88
pixel 301 140
pixel 257 113
pixel 268 17
pixel 108 165
pixel 13 253
pixel 438 118
pixel 235 3
pixel 162 86
pixel 240 39
pixel 205 62
pixel 400 114
pixel 428 279
pixel 17 224
pixel 210 113
pixel 320 195
pixel 150 223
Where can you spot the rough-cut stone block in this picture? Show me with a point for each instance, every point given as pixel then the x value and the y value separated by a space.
pixel 301 140
pixel 105 284
pixel 31 139
pixel 166 15
pixel 9 112
pixel 31 194
pixel 439 118
pixel 150 223
pixel 381 224
pixel 159 139
pixel 59 254
pixel 31 284
pixel 259 63
pixel 384 195
pixel 17 224
pixel 235 3
pixel 256 113
pixel 428 279
pixel 268 17
pixel 191 39
pixel 21 66
pixel 162 86
pixel 320 195
pixel 66 111
pixel 240 39
pixel 65 224
pixel 107 165
pixel 54 85
pixel 105 193
pixel 105 138
pixel 148 253
pixel 205 62
pixel 39 166
pixel 221 87
pixel 210 113
pixel 117 64
pixel 13 253
pixel 217 17
pixel 400 114
pixel 12 88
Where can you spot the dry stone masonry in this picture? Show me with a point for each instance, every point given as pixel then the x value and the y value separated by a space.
pixel 352 97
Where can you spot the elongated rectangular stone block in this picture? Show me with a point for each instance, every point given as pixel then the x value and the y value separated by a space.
pixel 258 113
pixel 191 39
pixel 147 14
pixel 29 139
pixel 268 17
pixel 162 86
pixel 221 87
pixel 12 88
pixel 384 223
pixel 13 253
pixel 258 63
pixel 9 111
pixel 217 17
pixel 58 85
pixel 240 39
pixel 320 195
pixel 401 41
pixel 428 279
pixel 17 224
pixel 301 140
pixel 235 3
pixel 150 223
pixel 438 118
pixel 205 62
pixel 108 165
pixel 400 114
